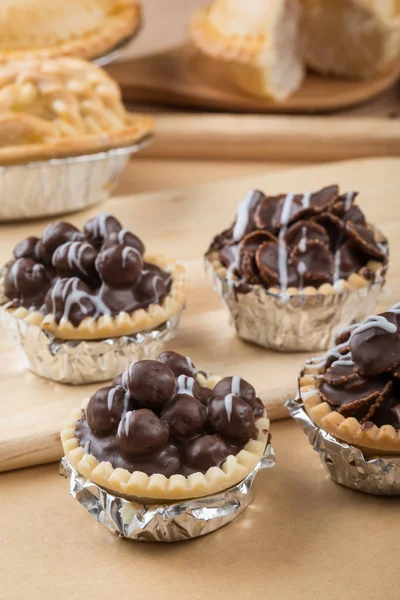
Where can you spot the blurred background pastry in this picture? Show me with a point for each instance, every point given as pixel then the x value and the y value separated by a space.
pixel 86 28
pixel 257 40
pixel 350 38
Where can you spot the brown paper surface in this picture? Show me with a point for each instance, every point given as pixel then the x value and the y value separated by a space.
pixel 303 537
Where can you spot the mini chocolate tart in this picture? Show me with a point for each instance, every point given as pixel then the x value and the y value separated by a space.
pixel 353 392
pixel 91 284
pixel 310 261
pixel 165 431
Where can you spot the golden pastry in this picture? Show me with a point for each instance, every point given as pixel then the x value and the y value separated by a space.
pixel 353 392
pixel 45 28
pixel 257 40
pixel 164 431
pixel 62 107
pixel 350 38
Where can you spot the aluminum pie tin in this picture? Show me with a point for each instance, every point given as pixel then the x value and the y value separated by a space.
pixel 61 185
pixel 172 522
pixel 293 323
pixel 345 463
pixel 78 362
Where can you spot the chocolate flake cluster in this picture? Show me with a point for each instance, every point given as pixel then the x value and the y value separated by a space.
pixel 299 240
pixel 157 418
pixel 74 275
pixel 362 378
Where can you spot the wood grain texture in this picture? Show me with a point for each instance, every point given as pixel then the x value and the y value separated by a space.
pixel 181 77
pixel 285 138
pixel 181 223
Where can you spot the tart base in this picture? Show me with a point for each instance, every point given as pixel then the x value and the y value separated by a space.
pixel 138 485
pixel 376 441
pixel 124 323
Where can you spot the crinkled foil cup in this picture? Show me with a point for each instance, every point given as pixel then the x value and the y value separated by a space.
pixel 346 464
pixel 61 185
pixel 298 323
pixel 78 361
pixel 173 522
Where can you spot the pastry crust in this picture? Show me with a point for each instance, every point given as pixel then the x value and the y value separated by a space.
pixel 158 487
pixel 116 27
pixel 383 440
pixel 62 107
pixel 354 281
pixel 122 324
pixel 258 46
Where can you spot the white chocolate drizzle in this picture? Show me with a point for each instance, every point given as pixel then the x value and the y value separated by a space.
pixel 185 385
pixel 235 264
pixel 303 240
pixel 228 406
pixel 378 321
pixel 110 397
pixel 121 235
pixel 75 254
pixel 72 295
pixel 190 365
pixel 348 200
pixel 305 201
pixel 235 385
pixel 242 216
pixel 301 269
pixel 336 273
pixel 282 248
pixel 100 229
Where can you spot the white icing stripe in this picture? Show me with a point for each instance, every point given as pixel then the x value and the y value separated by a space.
pixel 75 255
pixel 395 309
pixel 124 379
pixel 305 201
pixel 101 225
pixel 378 321
pixel 121 236
pixel 242 216
pixel 157 294
pixel 235 386
pixel 14 273
pixel 228 406
pixel 336 273
pixel 301 269
pixel 185 385
pixel 348 200
pixel 126 401
pixel 282 249
pixel 110 397
pixel 127 417
pixel 126 252
pixel 303 240
pixel 190 365
pixel 235 264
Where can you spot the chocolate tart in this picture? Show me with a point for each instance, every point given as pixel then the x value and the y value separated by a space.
pixel 298 265
pixel 62 107
pixel 353 392
pixel 165 431
pixel 91 285
pixel 47 28
pixel 257 44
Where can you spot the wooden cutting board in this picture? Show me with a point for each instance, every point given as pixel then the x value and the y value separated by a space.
pixel 181 223
pixel 181 77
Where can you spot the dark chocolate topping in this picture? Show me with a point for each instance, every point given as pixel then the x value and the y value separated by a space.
pixel 297 240
pixel 157 419
pixel 361 377
pixel 74 275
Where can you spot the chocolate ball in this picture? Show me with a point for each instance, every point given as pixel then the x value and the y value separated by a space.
pixel 150 383
pixel 179 365
pixel 26 278
pixel 71 299
pixel 206 451
pixel 122 380
pixel 75 259
pixel 238 386
pixel 232 418
pixel 99 227
pixel 57 234
pixel 186 416
pixel 27 248
pixel 205 395
pixel 119 266
pixel 125 237
pixel 141 432
pixel 151 288
pixel 105 408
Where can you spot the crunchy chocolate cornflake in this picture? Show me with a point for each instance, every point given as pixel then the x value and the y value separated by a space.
pixel 299 240
pixel 361 379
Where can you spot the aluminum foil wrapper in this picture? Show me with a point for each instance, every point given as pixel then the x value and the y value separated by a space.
pixel 293 323
pixel 175 522
pixel 346 464
pixel 61 185
pixel 79 362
